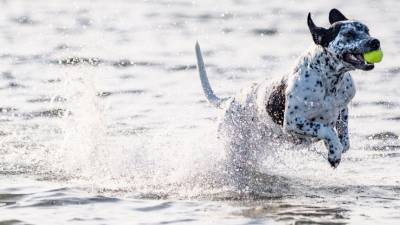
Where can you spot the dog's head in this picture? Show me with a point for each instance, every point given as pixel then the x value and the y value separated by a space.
pixel 347 39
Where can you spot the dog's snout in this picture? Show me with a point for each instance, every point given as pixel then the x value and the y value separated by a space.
pixel 374 44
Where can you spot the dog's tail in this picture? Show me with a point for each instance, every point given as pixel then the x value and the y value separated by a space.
pixel 211 97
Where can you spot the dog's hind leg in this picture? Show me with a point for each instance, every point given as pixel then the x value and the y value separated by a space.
pixel 241 164
pixel 241 154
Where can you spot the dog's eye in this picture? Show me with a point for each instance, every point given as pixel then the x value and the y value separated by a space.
pixel 350 34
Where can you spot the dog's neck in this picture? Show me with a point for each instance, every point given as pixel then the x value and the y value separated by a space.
pixel 324 63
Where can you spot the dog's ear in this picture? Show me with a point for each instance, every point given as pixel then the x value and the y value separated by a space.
pixel 319 34
pixel 335 16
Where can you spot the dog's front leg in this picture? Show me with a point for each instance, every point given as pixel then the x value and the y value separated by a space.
pixel 302 126
pixel 342 128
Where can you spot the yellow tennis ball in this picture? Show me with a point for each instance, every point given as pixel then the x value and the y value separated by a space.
pixel 373 56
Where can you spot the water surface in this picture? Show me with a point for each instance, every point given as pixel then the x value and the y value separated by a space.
pixel 103 120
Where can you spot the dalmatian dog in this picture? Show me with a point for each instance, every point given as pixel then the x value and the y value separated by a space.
pixel 308 105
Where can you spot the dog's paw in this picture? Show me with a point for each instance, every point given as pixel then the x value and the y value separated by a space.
pixel 335 154
pixel 345 141
pixel 346 145
pixel 334 162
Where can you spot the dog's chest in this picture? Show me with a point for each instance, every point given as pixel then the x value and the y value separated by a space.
pixel 318 97
pixel 340 89
pixel 339 92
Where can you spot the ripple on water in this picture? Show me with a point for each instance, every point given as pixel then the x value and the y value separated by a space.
pixel 94 61
pixel 385 104
pixel 395 118
pixel 182 67
pixel 394 70
pixel 13 85
pixel 47 99
pixel 49 113
pixel 24 20
pixel 52 202
pixel 78 61
pixel 7 75
pixel 121 92
pixel 265 31
pixel 61 47
pixel 7 110
pixel 160 206
pixel 297 213
pixel 130 131
pixel 12 222
pixel 127 63
pixel 383 136
pixel 385 147
pixel 10 199
pixel 127 76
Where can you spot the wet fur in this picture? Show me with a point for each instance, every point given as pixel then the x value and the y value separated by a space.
pixel 307 105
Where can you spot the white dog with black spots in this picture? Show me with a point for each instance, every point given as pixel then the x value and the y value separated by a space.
pixel 307 105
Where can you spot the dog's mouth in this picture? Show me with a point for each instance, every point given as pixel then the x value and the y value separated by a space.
pixel 357 60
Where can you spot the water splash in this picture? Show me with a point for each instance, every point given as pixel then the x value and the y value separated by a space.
pixel 83 127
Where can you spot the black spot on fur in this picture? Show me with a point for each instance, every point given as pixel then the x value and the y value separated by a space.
pixel 300 126
pixel 276 103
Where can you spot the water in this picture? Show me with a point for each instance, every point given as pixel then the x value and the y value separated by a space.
pixel 103 120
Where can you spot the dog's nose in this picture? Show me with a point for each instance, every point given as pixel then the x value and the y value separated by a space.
pixel 374 44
